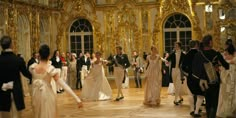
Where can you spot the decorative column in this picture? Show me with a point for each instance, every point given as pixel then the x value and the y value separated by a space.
pixel 196 30
pixel 35 30
pixel 11 24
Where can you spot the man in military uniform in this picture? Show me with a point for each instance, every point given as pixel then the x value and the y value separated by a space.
pixel 121 63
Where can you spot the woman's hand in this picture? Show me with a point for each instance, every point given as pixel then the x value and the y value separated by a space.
pixel 80 105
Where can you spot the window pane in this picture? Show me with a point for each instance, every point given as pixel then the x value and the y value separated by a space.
pixel 182 22
pixel 182 34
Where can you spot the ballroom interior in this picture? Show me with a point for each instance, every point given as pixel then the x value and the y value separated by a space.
pixel 101 25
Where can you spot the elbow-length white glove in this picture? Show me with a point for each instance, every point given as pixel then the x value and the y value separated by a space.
pixel 68 89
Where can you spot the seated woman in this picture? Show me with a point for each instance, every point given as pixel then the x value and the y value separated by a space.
pixel 96 86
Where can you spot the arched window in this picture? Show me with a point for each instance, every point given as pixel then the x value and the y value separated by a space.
pixel 177 28
pixel 81 36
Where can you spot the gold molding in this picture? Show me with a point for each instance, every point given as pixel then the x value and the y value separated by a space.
pixel 168 8
pixel 70 15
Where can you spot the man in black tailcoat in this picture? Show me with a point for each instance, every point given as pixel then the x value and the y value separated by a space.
pixel 211 89
pixel 79 64
pixel 11 93
pixel 196 96
pixel 176 59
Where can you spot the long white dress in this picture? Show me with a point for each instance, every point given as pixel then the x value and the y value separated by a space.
pixel 43 96
pixel 96 86
pixel 153 85
pixel 227 95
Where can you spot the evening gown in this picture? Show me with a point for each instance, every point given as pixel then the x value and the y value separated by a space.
pixel 96 86
pixel 43 96
pixel 227 96
pixel 153 85
pixel 72 75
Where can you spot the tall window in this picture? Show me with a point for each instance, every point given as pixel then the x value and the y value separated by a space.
pixel 177 28
pixel 81 36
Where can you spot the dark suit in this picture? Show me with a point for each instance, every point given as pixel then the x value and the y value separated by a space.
pixel 212 93
pixel 86 62
pixel 172 59
pixel 55 63
pixel 79 64
pixel 10 69
pixel 193 83
pixel 31 61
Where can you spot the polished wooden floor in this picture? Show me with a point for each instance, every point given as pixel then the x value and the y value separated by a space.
pixel 130 107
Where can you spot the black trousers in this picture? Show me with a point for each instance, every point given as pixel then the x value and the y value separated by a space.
pixel 78 82
pixel 211 96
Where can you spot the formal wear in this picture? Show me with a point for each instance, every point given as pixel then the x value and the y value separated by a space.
pixel 57 63
pixel 30 62
pixel 137 69
pixel 86 61
pixel 73 74
pixel 79 64
pixel 196 95
pixel 192 82
pixel 165 74
pixel 64 68
pixel 153 78
pixel 43 97
pixel 10 69
pixel 110 66
pixel 212 93
pixel 227 95
pixel 176 59
pixel 96 86
pixel 121 62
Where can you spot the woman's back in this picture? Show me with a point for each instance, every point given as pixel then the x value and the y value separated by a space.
pixel 43 97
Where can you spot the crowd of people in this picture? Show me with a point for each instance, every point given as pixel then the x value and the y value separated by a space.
pixel 67 71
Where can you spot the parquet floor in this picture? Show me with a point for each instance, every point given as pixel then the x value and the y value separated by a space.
pixel 130 107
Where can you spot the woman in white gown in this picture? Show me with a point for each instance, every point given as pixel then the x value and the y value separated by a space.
pixel 153 78
pixel 43 96
pixel 227 95
pixel 96 86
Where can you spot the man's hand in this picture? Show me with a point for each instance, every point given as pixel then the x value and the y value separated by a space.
pixel 204 85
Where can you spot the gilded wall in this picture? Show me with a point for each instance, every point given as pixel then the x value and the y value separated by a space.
pixel 132 24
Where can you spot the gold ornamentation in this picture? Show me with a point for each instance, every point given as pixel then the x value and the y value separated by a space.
pixel 127 29
pixel 170 7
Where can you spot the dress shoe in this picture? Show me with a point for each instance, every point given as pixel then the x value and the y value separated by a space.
pixel 192 113
pixel 181 100
pixel 176 103
pixel 196 115
pixel 117 99
pixel 121 98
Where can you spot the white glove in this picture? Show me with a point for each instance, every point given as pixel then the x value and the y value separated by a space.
pixel 68 89
pixel 7 86
pixel 203 84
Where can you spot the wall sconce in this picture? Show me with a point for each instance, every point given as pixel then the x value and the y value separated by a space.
pixel 208 8
pixel 221 14
pixel 222 29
